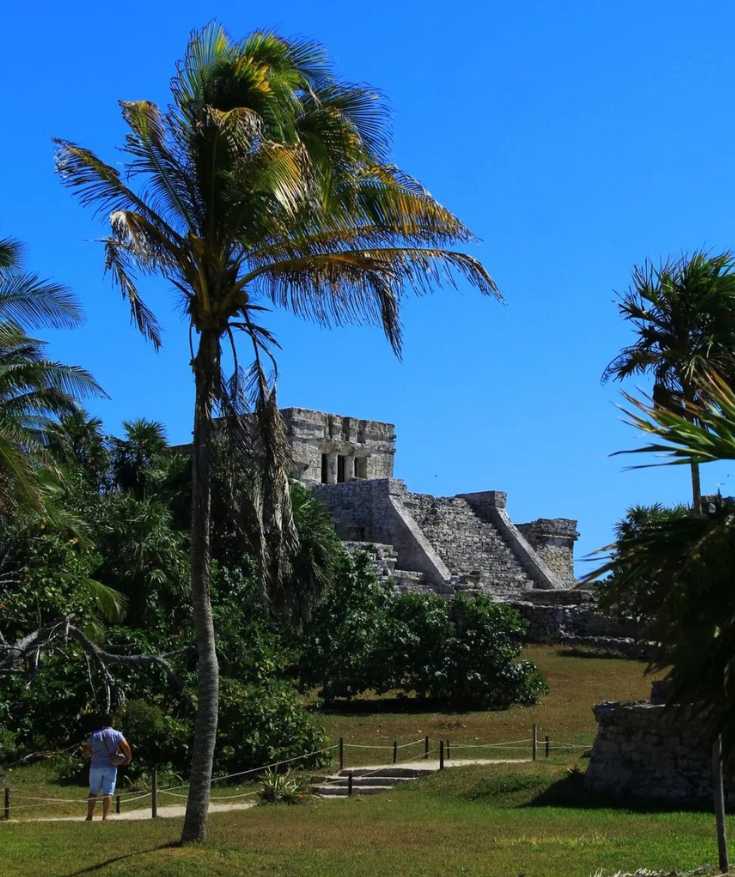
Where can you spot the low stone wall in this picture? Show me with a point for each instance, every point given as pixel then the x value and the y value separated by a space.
pixel 554 617
pixel 646 752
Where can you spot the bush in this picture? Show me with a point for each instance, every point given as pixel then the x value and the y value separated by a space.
pixel 342 642
pixel 156 737
pixel 463 652
pixel 481 668
pixel 259 725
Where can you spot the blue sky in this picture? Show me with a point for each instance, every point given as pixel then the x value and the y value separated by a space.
pixel 575 139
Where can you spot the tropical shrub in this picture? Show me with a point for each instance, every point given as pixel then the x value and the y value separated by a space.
pixel 477 663
pixel 462 652
pixel 347 632
pixel 262 724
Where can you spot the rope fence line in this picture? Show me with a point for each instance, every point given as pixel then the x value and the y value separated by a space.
pixel 444 752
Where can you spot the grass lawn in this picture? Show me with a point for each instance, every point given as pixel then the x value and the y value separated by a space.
pixel 565 714
pixel 530 820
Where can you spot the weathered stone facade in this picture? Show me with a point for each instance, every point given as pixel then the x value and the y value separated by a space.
pixel 553 540
pixel 455 543
pixel 571 618
pixel 644 751
pixel 331 448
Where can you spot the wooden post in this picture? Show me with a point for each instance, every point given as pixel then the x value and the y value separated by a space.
pixel 7 802
pixel 117 803
pixel 341 753
pixel 349 784
pixel 718 789
pixel 154 792
pixel 547 745
pixel 448 751
pixel 426 747
pixel 534 741
pixel 441 755
pixel 395 751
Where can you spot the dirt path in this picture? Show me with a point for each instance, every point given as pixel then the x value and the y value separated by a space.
pixel 172 811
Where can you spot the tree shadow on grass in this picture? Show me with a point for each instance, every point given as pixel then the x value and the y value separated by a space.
pixel 608 654
pixel 397 704
pixel 571 791
pixel 90 869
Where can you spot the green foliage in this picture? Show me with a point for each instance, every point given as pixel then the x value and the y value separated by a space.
pixel 262 724
pixel 144 558
pixel 156 736
pixel 461 652
pixel 684 315
pixel 34 390
pixel 628 591
pixel 287 787
pixel 344 637
pixel 687 562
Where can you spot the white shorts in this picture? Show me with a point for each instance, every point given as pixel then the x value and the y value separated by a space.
pixel 102 781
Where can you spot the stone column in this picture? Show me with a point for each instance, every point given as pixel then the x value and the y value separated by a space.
pixel 350 468
pixel 331 468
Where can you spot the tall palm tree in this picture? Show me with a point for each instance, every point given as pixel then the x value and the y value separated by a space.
pixel 266 182
pixel 684 316
pixel 34 390
pixel 685 563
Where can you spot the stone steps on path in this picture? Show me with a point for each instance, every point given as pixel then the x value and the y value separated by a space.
pixel 383 778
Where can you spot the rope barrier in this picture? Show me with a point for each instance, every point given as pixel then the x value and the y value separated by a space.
pixel 130 797
pixel 273 764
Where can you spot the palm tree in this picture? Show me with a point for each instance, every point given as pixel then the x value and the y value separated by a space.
pixel 266 182
pixel 134 456
pixel 685 563
pixel 33 389
pixel 684 315
pixel 78 441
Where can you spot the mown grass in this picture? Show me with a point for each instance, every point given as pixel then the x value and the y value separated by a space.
pixel 565 714
pixel 531 820
pixel 534 820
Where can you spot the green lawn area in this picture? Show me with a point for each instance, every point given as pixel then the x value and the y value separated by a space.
pixel 505 820
pixel 530 820
pixel 565 714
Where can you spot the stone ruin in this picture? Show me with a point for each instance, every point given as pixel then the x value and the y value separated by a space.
pixel 424 542
pixel 446 545
pixel 646 751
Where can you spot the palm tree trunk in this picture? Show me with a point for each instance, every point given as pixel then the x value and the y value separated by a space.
pixel 206 368
pixel 696 489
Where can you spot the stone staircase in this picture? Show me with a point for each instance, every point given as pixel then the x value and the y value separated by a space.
pixel 469 545
pixel 366 781
pixel 385 559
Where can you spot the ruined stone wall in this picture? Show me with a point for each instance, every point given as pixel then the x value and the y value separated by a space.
pixel 553 540
pixel 368 446
pixel 572 617
pixel 468 545
pixel 642 751
pixel 373 511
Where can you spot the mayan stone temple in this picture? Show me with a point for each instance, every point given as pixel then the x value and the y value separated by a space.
pixel 423 542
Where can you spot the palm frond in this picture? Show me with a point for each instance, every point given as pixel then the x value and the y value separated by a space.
pixel 10 253
pixel 364 286
pixel 703 433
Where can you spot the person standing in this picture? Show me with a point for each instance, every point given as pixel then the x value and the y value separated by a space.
pixel 107 750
